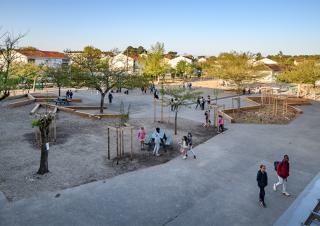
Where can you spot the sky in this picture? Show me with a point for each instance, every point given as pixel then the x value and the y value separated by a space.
pixel 198 27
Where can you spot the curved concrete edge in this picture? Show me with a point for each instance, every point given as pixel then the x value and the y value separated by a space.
pixel 300 209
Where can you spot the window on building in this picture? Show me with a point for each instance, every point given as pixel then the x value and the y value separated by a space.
pixel 30 60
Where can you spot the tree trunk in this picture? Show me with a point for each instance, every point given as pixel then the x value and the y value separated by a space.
pixel 175 122
pixel 44 132
pixel 6 93
pixel 34 84
pixel 102 102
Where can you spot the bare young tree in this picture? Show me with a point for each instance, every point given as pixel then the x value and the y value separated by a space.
pixel 180 97
pixel 43 122
pixel 8 54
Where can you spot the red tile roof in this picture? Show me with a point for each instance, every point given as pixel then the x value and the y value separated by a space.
pixel 42 54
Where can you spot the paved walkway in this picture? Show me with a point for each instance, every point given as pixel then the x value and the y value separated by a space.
pixel 218 188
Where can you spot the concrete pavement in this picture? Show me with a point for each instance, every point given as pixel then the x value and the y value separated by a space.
pixel 218 188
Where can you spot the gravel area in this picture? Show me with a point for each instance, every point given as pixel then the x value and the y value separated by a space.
pixel 79 154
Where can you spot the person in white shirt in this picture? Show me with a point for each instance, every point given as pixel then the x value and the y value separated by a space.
pixel 157 141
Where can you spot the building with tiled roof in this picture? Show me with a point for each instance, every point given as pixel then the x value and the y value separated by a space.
pixel 39 57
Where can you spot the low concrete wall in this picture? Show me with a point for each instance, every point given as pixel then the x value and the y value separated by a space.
pixel 20 103
pixel 34 109
pixel 253 99
pixel 85 107
pixel 16 97
pixel 111 115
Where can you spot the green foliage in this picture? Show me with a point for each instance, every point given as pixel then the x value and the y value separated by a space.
pixel 35 123
pixel 171 55
pixel 155 67
pixel 134 52
pixel 306 73
pixel 234 66
pixel 60 76
pixel 29 48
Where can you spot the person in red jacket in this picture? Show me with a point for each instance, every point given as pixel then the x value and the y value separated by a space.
pixel 283 174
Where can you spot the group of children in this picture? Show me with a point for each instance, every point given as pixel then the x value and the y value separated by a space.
pixel 185 143
pixel 186 146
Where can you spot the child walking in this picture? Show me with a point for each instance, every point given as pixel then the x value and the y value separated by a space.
pixel 141 136
pixel 221 124
pixel 262 179
pixel 189 142
pixel 157 141
pixel 184 147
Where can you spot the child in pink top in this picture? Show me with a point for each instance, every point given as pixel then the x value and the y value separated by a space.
pixel 221 124
pixel 141 136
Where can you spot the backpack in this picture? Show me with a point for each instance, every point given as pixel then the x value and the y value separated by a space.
pixel 276 163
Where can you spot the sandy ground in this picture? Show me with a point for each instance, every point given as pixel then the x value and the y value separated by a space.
pixel 78 156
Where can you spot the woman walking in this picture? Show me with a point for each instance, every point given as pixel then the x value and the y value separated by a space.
pixel 262 179
pixel 141 136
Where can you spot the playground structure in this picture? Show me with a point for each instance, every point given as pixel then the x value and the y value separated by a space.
pixel 118 133
pixel 278 102
pixel 269 105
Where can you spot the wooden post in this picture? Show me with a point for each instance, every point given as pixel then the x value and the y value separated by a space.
pixel 155 109
pixel 108 143
pixel 131 130
pixel 122 142
pixel 117 131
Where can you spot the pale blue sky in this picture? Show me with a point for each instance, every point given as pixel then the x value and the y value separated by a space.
pixel 200 27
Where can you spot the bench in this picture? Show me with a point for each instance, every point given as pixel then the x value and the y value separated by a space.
pixel 62 101
pixel 166 140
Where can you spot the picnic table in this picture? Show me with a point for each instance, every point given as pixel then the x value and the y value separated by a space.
pixel 62 101
pixel 166 139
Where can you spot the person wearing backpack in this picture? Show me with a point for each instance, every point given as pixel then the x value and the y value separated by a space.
pixel 283 174
pixel 189 143
pixel 262 179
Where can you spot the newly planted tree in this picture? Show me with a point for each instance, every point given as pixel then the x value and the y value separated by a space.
pixel 43 121
pixel 181 97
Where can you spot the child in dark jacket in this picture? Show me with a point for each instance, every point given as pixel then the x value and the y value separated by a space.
pixel 262 179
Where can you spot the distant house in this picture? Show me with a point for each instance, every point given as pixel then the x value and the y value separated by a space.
pixel 124 62
pixel 39 57
pixel 273 69
pixel 202 60
pixel 173 62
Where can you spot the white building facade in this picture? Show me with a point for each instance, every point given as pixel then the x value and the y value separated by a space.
pixel 38 57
